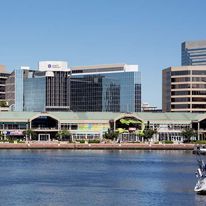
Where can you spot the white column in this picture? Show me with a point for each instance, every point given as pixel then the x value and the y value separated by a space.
pixel 198 128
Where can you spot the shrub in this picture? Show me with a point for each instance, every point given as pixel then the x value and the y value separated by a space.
pixel 199 142
pixel 167 142
pixel 20 141
pixel 82 141
pixel 94 141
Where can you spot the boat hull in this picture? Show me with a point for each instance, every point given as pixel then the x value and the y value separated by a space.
pixel 201 151
pixel 200 187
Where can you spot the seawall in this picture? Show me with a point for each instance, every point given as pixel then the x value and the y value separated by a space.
pixel 124 146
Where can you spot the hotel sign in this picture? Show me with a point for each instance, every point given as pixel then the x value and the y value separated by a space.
pixel 52 65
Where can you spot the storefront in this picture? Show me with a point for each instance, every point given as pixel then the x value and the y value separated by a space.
pixel 93 125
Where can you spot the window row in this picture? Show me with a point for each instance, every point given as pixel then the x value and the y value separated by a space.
pixel 69 126
pixel 187 106
pixel 181 79
pixel 194 99
pixel 180 73
pixel 188 72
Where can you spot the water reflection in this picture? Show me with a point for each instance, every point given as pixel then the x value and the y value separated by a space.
pixel 102 177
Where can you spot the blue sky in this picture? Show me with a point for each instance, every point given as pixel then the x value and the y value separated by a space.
pixel 86 32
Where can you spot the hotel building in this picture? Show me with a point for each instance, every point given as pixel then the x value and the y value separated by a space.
pixel 184 89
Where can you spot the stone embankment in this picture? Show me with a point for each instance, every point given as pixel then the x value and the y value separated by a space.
pixel 123 146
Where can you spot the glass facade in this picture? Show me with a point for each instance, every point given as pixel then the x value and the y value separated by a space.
pixel 117 92
pixel 34 94
pixel 19 75
pixel 58 92
pixel 194 53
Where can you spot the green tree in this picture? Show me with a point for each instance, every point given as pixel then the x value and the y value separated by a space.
pixel 3 103
pixel 111 134
pixel 1 136
pixel 63 134
pixel 148 133
pixel 29 134
pixel 187 134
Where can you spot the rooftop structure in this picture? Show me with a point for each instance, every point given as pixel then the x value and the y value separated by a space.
pixel 194 53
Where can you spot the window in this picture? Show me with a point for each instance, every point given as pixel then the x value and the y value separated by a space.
pixel 180 73
pixel 199 72
pixel 180 93
pixel 180 106
pixel 180 86
pixel 74 127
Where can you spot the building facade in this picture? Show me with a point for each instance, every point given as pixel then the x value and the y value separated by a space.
pixel 184 89
pixel 194 53
pixel 55 87
pixel 4 74
pixel 93 125
pixel 108 88
pixel 46 89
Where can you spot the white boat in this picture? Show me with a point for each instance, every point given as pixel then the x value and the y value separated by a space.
pixel 199 150
pixel 200 186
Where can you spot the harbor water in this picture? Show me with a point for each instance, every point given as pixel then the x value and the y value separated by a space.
pixel 97 177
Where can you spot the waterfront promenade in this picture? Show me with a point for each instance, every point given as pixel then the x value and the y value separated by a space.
pixel 123 146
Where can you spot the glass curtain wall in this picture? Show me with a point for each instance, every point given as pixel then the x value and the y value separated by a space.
pixel 116 92
pixel 19 74
pixel 35 94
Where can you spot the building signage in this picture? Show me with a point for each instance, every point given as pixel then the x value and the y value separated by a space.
pixel 52 65
pixel 16 132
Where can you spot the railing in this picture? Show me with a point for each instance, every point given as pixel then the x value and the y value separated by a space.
pixel 44 128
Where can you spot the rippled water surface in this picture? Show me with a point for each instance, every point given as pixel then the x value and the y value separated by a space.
pixel 66 177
